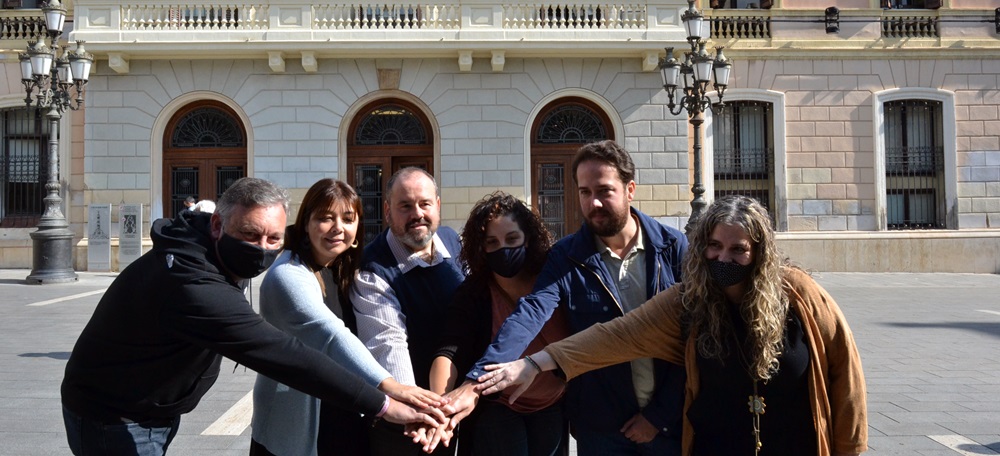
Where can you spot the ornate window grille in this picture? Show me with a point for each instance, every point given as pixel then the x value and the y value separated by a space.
pixel 743 155
pixel 23 166
pixel 390 125
pixel 207 127
pixel 571 124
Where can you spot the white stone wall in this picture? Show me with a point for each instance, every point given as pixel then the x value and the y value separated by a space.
pixel 294 119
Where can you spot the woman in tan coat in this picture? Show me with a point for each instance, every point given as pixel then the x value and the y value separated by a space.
pixel 755 334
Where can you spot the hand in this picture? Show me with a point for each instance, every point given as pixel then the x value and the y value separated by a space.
pixel 461 401
pixel 503 376
pixel 639 430
pixel 428 437
pixel 403 413
pixel 414 395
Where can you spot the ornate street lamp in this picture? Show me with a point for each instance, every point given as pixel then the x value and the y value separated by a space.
pixel 697 70
pixel 54 84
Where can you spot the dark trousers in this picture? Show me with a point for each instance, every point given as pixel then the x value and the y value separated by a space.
pixel 616 444
pixel 504 432
pixel 147 438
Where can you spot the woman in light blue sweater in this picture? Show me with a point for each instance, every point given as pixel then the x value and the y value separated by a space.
pixel 303 295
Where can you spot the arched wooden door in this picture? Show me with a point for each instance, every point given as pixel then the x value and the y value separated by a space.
pixel 558 132
pixel 385 135
pixel 204 152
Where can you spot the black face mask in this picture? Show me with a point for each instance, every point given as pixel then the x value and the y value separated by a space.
pixel 728 274
pixel 243 258
pixel 506 261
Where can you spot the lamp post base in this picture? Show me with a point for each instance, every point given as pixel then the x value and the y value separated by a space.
pixel 52 256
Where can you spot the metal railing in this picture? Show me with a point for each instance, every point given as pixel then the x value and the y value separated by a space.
pixel 745 171
pixel 914 187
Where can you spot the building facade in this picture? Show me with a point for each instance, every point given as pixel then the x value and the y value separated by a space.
pixel 876 146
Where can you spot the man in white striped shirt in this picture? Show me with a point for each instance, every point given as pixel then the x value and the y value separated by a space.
pixel 407 278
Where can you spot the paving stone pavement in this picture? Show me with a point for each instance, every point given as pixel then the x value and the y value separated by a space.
pixel 930 344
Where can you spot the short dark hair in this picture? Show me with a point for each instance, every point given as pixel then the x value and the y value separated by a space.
pixel 406 172
pixel 190 200
pixel 609 152
pixel 492 207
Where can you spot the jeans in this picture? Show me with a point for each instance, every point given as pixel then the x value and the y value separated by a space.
pixel 501 431
pixel 149 438
pixel 598 444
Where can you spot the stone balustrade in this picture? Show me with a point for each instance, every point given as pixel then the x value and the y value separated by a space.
pixel 21 25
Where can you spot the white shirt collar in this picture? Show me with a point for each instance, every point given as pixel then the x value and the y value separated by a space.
pixel 406 259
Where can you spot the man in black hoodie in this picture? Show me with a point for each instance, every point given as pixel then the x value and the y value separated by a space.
pixel 155 342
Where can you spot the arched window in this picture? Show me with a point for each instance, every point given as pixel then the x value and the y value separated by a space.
pixel 559 130
pixel 204 153
pixel 385 135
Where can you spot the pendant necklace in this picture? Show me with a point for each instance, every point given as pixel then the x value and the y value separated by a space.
pixel 755 402
pixel 757 405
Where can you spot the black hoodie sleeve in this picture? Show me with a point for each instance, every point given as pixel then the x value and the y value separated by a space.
pixel 213 314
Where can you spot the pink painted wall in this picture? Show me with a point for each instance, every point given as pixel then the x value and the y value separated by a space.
pixel 822 4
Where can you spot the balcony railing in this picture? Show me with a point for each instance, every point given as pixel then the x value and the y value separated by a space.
pixel 553 27
pixel 361 16
pixel 383 16
pixel 574 16
pixel 910 24
pixel 21 25
pixel 740 23
pixel 194 17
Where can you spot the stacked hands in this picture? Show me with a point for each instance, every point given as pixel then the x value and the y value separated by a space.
pixel 458 403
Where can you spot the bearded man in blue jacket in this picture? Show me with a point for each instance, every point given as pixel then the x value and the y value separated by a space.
pixel 618 259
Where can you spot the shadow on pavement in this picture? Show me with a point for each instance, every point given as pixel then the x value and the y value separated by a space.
pixel 988 328
pixel 976 449
pixel 53 355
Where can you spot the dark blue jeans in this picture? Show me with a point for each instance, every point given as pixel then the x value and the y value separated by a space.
pixel 149 438
pixel 501 431
pixel 616 444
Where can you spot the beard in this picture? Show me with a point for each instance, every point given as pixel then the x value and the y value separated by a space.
pixel 413 239
pixel 612 224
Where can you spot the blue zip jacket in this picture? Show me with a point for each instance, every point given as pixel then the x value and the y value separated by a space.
pixel 574 276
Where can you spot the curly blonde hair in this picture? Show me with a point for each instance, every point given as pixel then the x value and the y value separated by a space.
pixel 765 304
